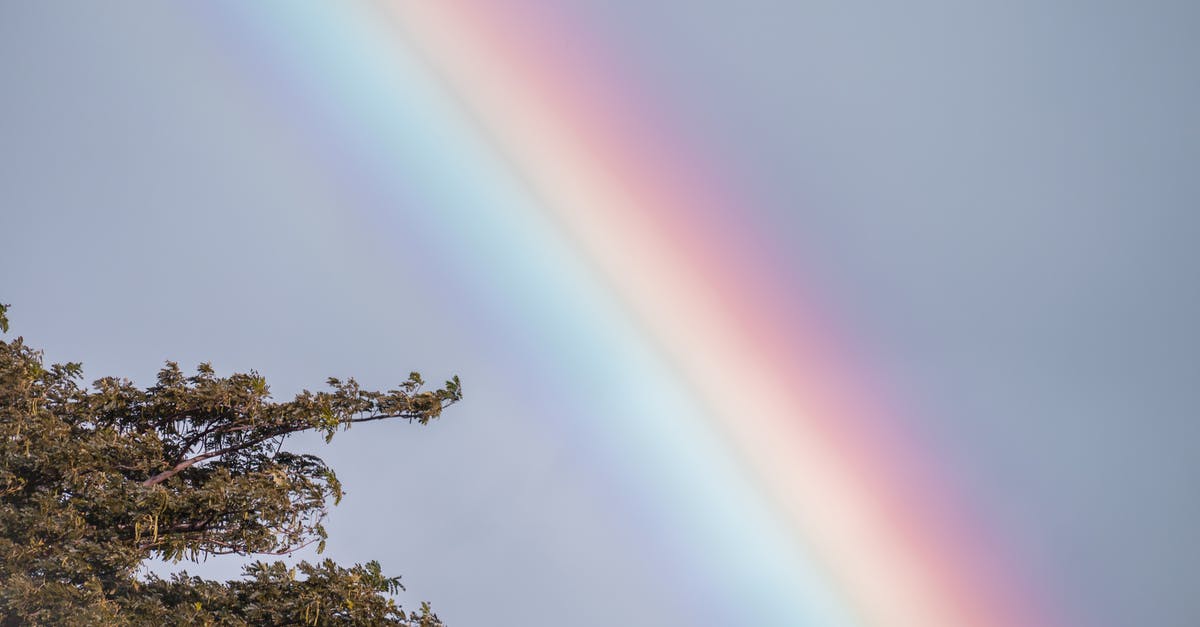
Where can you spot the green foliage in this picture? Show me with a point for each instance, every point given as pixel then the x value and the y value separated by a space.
pixel 95 481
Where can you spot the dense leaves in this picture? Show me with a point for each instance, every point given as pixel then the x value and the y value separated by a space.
pixel 96 480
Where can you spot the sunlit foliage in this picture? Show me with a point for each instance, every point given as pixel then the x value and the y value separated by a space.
pixel 96 480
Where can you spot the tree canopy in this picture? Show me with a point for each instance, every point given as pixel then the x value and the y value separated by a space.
pixel 95 481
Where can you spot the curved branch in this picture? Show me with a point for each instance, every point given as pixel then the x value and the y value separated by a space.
pixel 191 461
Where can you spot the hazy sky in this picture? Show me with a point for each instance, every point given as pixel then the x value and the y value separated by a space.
pixel 1001 199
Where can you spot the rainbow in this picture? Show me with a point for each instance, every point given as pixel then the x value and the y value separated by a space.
pixel 579 231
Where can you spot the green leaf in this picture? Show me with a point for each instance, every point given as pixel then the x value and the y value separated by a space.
pixel 114 451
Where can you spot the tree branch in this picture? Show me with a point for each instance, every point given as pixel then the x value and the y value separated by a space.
pixel 187 463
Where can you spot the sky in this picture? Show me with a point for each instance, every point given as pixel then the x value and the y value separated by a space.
pixel 629 227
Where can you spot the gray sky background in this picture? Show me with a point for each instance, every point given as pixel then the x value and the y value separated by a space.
pixel 1001 198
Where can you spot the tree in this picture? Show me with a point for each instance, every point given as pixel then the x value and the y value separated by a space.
pixel 95 481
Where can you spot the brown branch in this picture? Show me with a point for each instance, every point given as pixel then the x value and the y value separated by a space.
pixel 229 548
pixel 187 463
pixel 198 436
